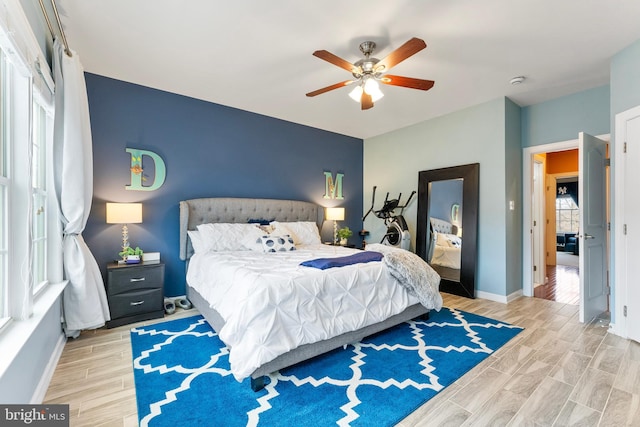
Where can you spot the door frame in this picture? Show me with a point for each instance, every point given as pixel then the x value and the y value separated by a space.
pixel 527 206
pixel 619 287
pixel 538 203
pixel 527 202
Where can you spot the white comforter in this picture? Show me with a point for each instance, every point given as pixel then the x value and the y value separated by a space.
pixel 271 304
pixel 446 256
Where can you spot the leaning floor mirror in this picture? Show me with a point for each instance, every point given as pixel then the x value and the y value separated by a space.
pixel 447 225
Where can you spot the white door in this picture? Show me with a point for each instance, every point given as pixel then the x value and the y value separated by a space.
pixel 632 224
pixel 593 232
pixel 539 261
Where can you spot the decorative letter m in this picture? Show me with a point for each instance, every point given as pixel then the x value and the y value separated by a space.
pixel 333 189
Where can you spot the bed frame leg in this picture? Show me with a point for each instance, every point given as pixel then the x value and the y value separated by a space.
pixel 257 384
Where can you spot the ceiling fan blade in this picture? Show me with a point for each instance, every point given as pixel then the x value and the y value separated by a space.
pixel 407 82
pixel 408 49
pixel 365 101
pixel 335 60
pixel 332 87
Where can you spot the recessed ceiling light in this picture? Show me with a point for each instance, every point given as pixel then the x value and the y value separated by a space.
pixel 517 80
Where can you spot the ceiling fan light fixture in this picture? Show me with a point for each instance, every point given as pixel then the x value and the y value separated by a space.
pixel 372 88
pixel 367 71
pixel 356 93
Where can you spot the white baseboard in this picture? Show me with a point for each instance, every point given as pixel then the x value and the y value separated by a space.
pixel 41 390
pixel 499 298
pixel 514 295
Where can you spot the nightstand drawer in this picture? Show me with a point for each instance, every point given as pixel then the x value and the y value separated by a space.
pixel 135 302
pixel 133 278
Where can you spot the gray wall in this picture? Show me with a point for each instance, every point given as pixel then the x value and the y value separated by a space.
pixel 473 135
pixel 562 118
pixel 513 191
pixel 625 80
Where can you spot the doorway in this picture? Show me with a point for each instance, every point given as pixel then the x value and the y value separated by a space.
pixel 559 241
pixel 556 224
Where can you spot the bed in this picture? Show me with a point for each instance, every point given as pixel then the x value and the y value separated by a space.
pixel 200 266
pixel 446 245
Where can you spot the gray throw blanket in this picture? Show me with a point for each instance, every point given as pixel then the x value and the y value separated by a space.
pixel 413 273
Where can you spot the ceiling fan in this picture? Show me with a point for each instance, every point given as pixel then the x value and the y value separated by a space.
pixel 369 71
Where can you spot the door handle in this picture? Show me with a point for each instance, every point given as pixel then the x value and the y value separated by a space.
pixel 588 236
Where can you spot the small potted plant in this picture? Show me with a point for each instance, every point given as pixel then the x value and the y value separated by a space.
pixel 344 234
pixel 130 255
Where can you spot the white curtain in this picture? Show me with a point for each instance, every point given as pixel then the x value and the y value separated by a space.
pixel 85 301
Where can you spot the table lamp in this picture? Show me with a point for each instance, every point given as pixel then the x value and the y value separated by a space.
pixel 335 215
pixel 124 213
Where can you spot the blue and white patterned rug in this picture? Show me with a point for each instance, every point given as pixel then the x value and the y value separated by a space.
pixel 182 374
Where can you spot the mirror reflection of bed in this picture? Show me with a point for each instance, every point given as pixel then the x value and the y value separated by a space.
pixel 445 228
pixel 445 248
pixel 447 205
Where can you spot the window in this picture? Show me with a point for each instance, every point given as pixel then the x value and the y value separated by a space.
pixel 27 231
pixel 567 215
pixel 4 188
pixel 39 196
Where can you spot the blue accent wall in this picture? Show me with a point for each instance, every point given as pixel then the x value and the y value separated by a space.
pixel 442 196
pixel 209 151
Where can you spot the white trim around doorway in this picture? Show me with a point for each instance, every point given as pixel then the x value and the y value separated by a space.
pixel 527 205
pixel 527 202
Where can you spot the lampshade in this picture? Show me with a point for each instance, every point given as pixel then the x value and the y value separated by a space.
pixel 124 213
pixel 356 93
pixel 371 87
pixel 334 214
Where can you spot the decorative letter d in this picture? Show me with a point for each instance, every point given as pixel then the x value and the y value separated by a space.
pixel 136 170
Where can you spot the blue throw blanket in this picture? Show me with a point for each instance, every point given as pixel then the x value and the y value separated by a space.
pixel 358 258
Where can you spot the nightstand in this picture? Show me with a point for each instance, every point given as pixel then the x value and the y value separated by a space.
pixel 135 292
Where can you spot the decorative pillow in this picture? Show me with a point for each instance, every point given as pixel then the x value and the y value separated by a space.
pixel 277 243
pixel 218 237
pixel 260 221
pixel 253 243
pixel 196 241
pixel 263 224
pixel 302 232
pixel 450 240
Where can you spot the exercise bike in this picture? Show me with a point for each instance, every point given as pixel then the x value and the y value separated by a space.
pixel 397 230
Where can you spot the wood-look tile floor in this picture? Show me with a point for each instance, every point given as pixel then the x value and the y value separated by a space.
pixel 557 372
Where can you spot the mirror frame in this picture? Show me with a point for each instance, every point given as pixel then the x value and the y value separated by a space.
pixel 470 175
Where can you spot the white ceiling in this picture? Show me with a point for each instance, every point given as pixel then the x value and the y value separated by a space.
pixel 256 55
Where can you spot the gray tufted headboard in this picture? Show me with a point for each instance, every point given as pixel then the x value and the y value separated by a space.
pixel 441 226
pixel 229 210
